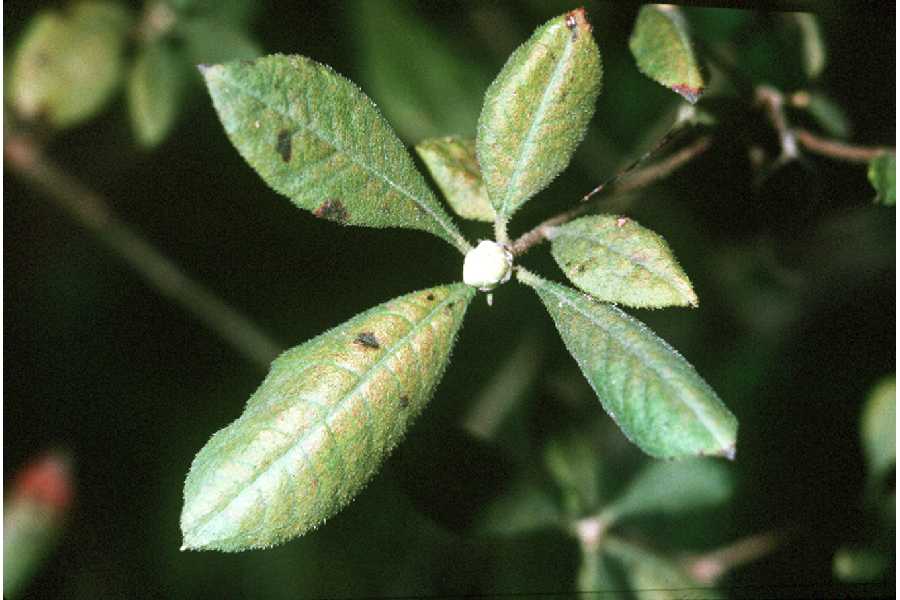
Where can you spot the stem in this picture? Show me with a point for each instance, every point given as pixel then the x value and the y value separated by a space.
pixel 773 102
pixel 501 236
pixel 25 158
pixel 839 150
pixel 638 179
pixel 708 568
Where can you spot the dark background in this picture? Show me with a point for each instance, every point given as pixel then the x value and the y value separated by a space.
pixel 797 320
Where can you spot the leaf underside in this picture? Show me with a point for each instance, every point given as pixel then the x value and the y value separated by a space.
pixel 453 165
pixel 654 395
pixel 313 136
pixel 320 425
pixel 537 110
pixel 616 260
pixel 662 49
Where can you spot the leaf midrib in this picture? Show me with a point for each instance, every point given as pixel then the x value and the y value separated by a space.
pixel 363 378
pixel 634 351
pixel 528 142
pixel 460 242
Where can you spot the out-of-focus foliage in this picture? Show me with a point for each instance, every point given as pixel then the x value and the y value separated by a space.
pixel 454 167
pixel 69 63
pixel 34 513
pixel 883 177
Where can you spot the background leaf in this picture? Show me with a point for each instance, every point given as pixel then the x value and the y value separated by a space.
pixel 524 508
pixel 69 64
pixel 652 393
pixel 653 577
pixel 878 427
pixel 662 49
pixel 616 260
pixel 571 460
pixel 537 110
pixel 883 177
pixel 316 138
pixel 814 54
pixel 425 86
pixel 670 488
pixel 155 86
pixel 857 565
pixel 209 41
pixel 319 426
pixel 826 113
pixel 454 167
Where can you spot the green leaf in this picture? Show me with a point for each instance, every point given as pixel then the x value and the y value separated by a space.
pixel 237 14
pixel 616 260
pixel 878 427
pixel 537 110
pixel 454 167
pixel 523 509
pixel 652 393
pixel 814 55
pixel 316 138
pixel 653 577
pixel 209 41
pixel 69 64
pixel 154 90
pixel 883 177
pixel 571 459
pixel 670 488
pixel 662 49
pixel 320 425
pixel 826 112
pixel 425 85
pixel 859 565
pixel 596 578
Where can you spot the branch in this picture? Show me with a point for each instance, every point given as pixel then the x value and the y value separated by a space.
pixel 710 567
pixel 638 179
pixel 772 101
pixel 26 159
pixel 838 150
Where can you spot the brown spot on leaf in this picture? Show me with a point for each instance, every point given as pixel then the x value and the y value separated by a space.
pixel 404 401
pixel 577 20
pixel 429 297
pixel 691 94
pixel 332 210
pixel 367 339
pixel 283 145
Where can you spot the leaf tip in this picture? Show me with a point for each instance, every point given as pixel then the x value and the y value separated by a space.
pixel 729 452
pixel 691 94
pixel 576 20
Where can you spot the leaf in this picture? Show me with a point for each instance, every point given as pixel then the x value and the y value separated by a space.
pixel 69 64
pixel 616 260
pixel 878 427
pixel 525 508
pixel 454 167
pixel 859 565
pixel 316 138
pixel 209 41
pixel 883 177
pixel 825 111
pixel 425 85
pixel 653 577
pixel 154 89
pixel 662 49
pixel 671 488
pixel 320 425
pixel 654 395
pixel 237 14
pixel 537 110
pixel 814 55
pixel 571 460
pixel 595 578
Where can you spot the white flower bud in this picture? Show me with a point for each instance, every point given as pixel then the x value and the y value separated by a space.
pixel 487 265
